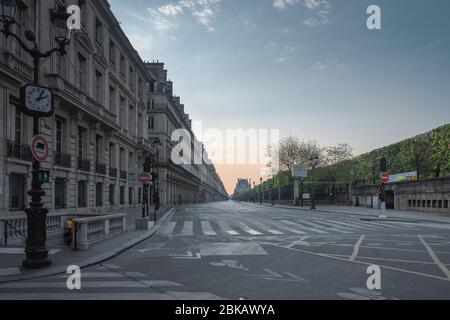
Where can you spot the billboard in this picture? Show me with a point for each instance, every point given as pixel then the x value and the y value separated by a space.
pixel 409 176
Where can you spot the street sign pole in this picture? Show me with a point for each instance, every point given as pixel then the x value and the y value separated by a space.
pixel 384 179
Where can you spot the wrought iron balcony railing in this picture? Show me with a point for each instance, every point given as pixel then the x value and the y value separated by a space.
pixel 62 160
pixel 100 168
pixel 19 151
pixel 84 165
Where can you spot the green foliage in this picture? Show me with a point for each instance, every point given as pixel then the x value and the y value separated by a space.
pixel 428 154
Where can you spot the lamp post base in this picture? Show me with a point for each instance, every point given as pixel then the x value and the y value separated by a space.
pixel 38 263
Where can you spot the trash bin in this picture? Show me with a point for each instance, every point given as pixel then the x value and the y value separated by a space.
pixel 68 227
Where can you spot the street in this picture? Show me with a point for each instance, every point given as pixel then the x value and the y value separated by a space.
pixel 231 250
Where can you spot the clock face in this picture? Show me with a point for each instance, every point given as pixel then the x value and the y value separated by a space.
pixel 38 99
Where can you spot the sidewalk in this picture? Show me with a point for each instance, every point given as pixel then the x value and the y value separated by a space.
pixel 407 216
pixel 11 257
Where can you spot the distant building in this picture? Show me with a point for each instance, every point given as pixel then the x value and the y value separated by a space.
pixel 242 186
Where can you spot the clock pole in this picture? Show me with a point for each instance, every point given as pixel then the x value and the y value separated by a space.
pixel 36 249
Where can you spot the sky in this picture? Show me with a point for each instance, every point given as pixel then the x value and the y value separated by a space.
pixel 310 68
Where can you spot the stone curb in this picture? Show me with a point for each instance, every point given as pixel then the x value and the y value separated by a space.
pixel 96 259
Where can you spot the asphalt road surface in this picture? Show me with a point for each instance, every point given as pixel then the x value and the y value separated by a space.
pixel 243 251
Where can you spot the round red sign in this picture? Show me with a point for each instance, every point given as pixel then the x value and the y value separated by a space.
pixel 144 178
pixel 385 177
pixel 39 148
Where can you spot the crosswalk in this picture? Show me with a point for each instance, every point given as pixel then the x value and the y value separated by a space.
pixel 100 283
pixel 220 227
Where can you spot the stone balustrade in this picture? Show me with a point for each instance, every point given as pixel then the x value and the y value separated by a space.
pixel 88 231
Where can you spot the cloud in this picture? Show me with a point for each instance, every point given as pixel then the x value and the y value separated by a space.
pixel 160 21
pixel 330 62
pixel 284 53
pixel 171 9
pixel 283 4
pixel 322 10
pixel 166 17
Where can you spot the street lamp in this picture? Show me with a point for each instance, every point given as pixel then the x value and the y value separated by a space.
pixel 314 160
pixel 157 145
pixel 36 249
pixel 260 190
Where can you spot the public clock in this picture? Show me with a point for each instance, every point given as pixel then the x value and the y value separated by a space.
pixel 36 101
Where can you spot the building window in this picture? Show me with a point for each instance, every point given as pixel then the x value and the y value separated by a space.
pixel 151 123
pixel 122 195
pixel 112 53
pixel 81 142
pixel 439 204
pixel 99 32
pixel 122 112
pixel 131 124
pixel 18 127
pixel 81 72
pixel 98 88
pixel 131 79
pixel 99 194
pixel 16 192
pixel 122 66
pixel 130 195
pixel 82 194
pixel 60 193
pixel 446 204
pixel 140 196
pixel 112 100
pixel 60 138
pixel 17 29
pixel 98 149
pixel 111 195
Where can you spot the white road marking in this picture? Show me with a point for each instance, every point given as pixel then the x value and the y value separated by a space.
pixel 283 227
pixel 385 225
pixel 315 225
pixel 302 240
pixel 267 227
pixel 249 230
pixel 356 248
pixel 188 228
pixel 329 224
pixel 207 229
pixel 226 228
pixel 169 228
pixel 356 224
pixel 435 258
pixel 304 227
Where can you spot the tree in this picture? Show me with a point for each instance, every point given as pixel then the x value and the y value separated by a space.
pixel 341 152
pixel 292 151
pixel 440 141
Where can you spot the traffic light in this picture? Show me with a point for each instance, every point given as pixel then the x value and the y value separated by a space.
pixel 383 165
pixel 45 176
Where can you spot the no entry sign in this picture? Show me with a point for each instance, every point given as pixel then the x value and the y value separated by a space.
pixel 39 148
pixel 144 178
pixel 384 177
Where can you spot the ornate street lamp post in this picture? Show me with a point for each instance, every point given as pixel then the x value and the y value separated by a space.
pixel 36 249
pixel 314 162
pixel 157 145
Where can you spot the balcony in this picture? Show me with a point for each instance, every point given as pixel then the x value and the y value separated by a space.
pixel 113 172
pixel 62 160
pixel 84 165
pixel 123 175
pixel 19 151
pixel 100 168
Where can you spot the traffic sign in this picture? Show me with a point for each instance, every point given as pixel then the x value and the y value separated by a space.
pixel 39 148
pixel 300 171
pixel 384 177
pixel 145 178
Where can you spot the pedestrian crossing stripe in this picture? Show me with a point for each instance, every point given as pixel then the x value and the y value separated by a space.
pixel 297 225
pixel 207 228
pixel 186 228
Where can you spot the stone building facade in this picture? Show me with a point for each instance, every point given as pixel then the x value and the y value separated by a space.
pixel 431 195
pixel 190 182
pixel 100 129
